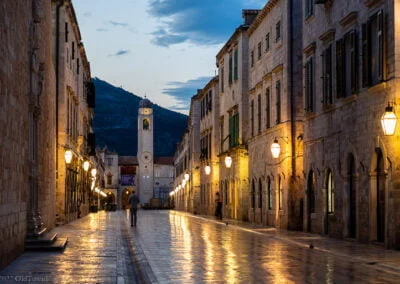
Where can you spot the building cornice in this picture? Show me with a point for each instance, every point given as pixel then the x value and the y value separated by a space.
pixel 261 16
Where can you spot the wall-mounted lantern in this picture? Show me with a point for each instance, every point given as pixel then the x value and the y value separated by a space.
pixel 275 149
pixel 86 165
pixel 228 161
pixel 68 156
pixel 207 169
pixel 389 121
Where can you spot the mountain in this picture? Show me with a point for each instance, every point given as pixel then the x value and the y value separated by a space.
pixel 115 122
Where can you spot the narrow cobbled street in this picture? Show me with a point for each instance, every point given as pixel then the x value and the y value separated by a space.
pixel 176 247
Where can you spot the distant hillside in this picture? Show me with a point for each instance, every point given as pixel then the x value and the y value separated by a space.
pixel 115 122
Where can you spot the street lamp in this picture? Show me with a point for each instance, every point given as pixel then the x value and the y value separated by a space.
pixel 68 156
pixel 388 121
pixel 207 169
pixel 86 165
pixel 228 161
pixel 275 149
pixel 94 172
pixel 186 177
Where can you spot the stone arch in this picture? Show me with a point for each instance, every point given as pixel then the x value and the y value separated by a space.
pixel 378 193
pixel 310 198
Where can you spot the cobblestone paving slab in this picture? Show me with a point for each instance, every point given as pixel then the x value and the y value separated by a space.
pixel 96 253
pixel 176 247
pixel 181 248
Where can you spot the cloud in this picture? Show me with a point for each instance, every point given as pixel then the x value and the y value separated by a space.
pixel 120 52
pixel 165 39
pixel 120 24
pixel 101 30
pixel 87 14
pixel 183 91
pixel 204 22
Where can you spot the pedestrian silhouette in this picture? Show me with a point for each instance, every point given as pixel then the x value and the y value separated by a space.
pixel 133 201
pixel 218 206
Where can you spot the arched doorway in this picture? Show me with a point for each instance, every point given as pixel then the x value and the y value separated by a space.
pixel 380 197
pixel 329 198
pixel 310 198
pixel 352 196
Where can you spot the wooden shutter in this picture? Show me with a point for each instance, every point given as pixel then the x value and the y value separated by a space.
pixel 353 61
pixel 236 63
pixel 259 114
pixel 328 74
pixel 252 117
pixel 267 109
pixel 230 69
pixel 340 68
pixel 380 45
pixel 365 55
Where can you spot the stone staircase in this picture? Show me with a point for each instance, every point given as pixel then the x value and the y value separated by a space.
pixel 45 242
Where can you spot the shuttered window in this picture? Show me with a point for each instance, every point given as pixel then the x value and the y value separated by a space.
pixel 230 70
pixel 347 65
pixel 309 85
pixel 236 64
pixel 278 102
pixel 327 75
pixel 252 117
pixel 234 130
pixel 373 55
pixel 259 113
pixel 267 108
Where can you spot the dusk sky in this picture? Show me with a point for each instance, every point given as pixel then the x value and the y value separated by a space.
pixel 162 48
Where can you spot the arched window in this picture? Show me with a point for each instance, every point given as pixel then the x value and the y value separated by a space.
pixel 269 193
pixel 280 193
pixel 253 194
pixel 330 193
pixel 146 124
pixel 311 192
pixel 109 178
pixel 260 197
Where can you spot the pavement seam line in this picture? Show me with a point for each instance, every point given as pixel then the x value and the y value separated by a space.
pixel 142 266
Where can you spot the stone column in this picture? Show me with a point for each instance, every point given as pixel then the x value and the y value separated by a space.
pixel 34 221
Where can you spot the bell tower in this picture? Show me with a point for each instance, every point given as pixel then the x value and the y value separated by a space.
pixel 145 154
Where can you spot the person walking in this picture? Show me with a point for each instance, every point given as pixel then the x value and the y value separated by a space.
pixel 133 201
pixel 218 206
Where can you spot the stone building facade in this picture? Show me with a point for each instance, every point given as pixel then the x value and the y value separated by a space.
pixel 209 145
pixel 186 187
pixel 352 168
pixel 29 84
pixel 75 103
pixel 334 65
pixel 26 123
pixel 232 62
pixel 275 115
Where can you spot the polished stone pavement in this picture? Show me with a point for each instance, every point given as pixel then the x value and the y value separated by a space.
pixel 177 247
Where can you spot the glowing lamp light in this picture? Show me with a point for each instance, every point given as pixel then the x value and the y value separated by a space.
pixel 275 149
pixel 86 165
pixel 228 161
pixel 389 121
pixel 186 177
pixel 207 169
pixel 94 172
pixel 68 156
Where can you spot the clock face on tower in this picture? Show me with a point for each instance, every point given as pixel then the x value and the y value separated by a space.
pixel 145 157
